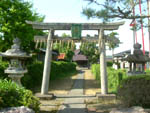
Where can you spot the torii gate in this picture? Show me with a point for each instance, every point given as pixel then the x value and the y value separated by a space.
pixel 67 26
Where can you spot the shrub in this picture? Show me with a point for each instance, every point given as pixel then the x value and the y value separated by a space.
pixel 114 76
pixel 12 95
pixel 96 71
pixel 62 69
pixel 134 91
pixel 3 66
pixel 34 76
pixel 109 63
pixel 59 69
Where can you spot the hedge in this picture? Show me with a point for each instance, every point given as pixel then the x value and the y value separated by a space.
pixel 114 76
pixel 134 91
pixel 33 78
pixel 59 69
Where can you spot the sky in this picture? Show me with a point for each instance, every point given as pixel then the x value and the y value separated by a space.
pixel 70 11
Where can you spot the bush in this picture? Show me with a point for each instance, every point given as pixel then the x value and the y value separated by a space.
pixel 114 76
pixel 34 76
pixel 3 66
pixel 134 91
pixel 109 63
pixel 59 69
pixel 12 95
pixel 96 71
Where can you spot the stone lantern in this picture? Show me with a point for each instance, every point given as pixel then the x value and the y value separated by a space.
pixel 16 58
pixel 138 59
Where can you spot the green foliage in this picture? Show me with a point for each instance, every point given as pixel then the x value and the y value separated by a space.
pixel 3 66
pixel 67 48
pixel 12 95
pixel 113 40
pixel 13 14
pixel 134 91
pixel 114 76
pixel 62 69
pixel 64 35
pixel 34 76
pixel 109 63
pixel 109 10
pixel 59 69
pixel 91 51
pixel 96 71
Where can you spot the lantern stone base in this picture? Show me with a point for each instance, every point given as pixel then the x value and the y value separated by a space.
pixel 16 79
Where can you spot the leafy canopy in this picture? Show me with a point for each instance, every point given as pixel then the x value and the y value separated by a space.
pixel 13 14
pixel 90 50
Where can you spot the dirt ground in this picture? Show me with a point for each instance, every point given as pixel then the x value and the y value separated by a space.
pixel 61 86
pixel 102 106
pixel 57 87
pixel 91 86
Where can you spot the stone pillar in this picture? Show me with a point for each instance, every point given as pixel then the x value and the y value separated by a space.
pixel 134 67
pixel 122 65
pixel 47 64
pixel 130 66
pixel 143 67
pixel 103 69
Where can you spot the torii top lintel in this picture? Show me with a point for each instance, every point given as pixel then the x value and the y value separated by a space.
pixel 67 26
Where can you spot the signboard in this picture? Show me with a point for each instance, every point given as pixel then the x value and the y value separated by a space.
pixel 76 30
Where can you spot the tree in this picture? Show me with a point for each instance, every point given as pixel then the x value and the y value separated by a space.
pixel 13 16
pixel 113 41
pixel 64 35
pixel 109 10
pixel 90 50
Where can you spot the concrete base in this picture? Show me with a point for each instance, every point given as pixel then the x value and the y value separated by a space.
pixel 105 96
pixel 48 96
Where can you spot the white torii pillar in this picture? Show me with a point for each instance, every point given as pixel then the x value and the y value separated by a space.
pixel 103 67
pixel 47 64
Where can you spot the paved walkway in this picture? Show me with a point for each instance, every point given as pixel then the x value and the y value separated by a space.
pixel 74 102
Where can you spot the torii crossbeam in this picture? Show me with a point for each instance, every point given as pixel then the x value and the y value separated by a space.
pixel 67 26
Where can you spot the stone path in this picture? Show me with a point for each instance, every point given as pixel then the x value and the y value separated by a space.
pixel 74 102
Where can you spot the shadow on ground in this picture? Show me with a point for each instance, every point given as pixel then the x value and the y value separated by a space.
pixel 53 111
pixel 73 110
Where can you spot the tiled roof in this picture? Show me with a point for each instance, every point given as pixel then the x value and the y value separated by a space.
pixel 61 56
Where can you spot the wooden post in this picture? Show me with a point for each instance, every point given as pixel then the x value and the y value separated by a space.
pixel 103 69
pixel 47 64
